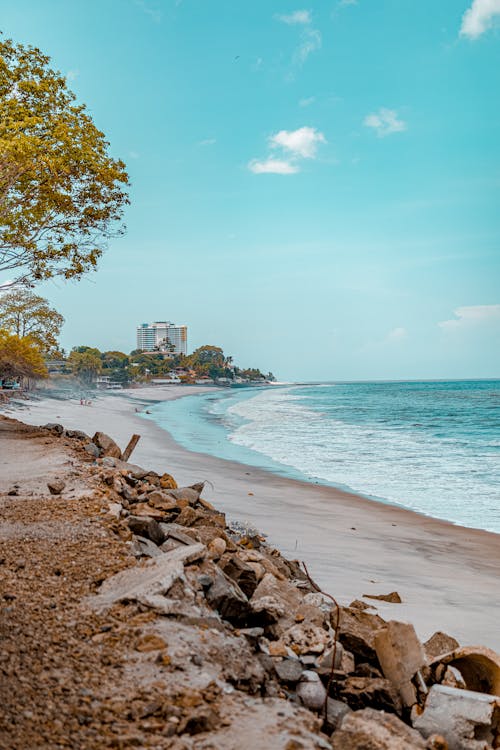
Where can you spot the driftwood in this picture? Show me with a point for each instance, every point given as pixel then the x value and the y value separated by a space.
pixel 130 447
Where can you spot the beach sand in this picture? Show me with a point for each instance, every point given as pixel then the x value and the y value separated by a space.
pixel 447 576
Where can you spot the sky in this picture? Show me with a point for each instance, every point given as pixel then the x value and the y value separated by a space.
pixel 315 187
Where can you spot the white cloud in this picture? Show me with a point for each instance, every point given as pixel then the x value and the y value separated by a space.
pixel 207 142
pixel 273 166
pixel 479 18
pixel 397 334
pixel 307 101
pixel 471 317
pixel 311 41
pixel 71 75
pixel 297 17
pixel 385 122
pixel 295 145
pixel 302 142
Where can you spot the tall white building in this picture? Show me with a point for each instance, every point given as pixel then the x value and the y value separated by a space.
pixel 162 335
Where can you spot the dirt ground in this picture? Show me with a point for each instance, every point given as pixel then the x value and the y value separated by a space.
pixel 73 678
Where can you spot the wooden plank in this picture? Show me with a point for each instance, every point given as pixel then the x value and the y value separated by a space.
pixel 130 447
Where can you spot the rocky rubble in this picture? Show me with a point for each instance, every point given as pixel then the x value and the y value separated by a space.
pixel 232 623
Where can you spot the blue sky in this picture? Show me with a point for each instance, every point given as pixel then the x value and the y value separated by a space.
pixel 315 187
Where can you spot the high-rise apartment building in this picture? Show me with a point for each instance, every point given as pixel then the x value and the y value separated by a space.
pixel 162 335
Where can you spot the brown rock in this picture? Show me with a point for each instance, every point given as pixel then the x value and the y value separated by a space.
pixel 392 598
pixel 440 643
pixel 143 509
pixel 375 730
pixel 216 548
pixel 358 604
pixel 56 486
pixel 107 445
pixel 226 596
pixel 167 482
pixel 241 572
pixel 185 493
pixel 362 692
pixel 400 655
pixel 146 527
pixel 357 632
pixel 150 642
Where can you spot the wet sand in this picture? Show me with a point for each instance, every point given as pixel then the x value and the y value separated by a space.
pixel 447 576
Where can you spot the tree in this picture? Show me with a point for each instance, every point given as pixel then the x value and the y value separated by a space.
pixel 85 362
pixel 20 358
pixel 26 314
pixel 61 195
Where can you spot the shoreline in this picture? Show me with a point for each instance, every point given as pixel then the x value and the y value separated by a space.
pixel 446 574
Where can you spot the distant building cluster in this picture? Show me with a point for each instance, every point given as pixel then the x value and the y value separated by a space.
pixel 163 336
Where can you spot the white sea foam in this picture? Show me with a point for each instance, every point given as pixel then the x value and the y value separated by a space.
pixel 438 476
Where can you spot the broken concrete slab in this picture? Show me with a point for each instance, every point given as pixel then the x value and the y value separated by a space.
pixel 375 730
pixel 400 655
pixel 467 720
pixel 152 579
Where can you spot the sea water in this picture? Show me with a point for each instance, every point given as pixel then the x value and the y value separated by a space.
pixel 432 447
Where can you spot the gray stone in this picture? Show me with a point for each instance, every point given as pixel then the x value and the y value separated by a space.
pixel 310 691
pixel 54 427
pixel 325 661
pixel 174 531
pixel 289 670
pixel 146 527
pixel 56 486
pixel 92 449
pixel 467 720
pixel 241 573
pixel 228 599
pixel 77 434
pixel 375 730
pixel 147 548
pixel 335 712
pixel 137 472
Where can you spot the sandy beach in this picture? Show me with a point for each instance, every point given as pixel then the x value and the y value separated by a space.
pixel 447 576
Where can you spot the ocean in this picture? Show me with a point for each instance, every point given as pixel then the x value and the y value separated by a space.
pixel 432 447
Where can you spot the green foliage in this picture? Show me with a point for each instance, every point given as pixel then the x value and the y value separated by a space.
pixel 20 357
pixel 25 314
pixel 61 194
pixel 85 364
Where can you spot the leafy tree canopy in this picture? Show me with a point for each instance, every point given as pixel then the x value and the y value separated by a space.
pixel 61 194
pixel 25 314
pixel 85 364
pixel 20 357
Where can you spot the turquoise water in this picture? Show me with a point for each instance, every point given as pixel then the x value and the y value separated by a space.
pixel 433 447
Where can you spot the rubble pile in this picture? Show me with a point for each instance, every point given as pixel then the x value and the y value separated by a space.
pixel 370 683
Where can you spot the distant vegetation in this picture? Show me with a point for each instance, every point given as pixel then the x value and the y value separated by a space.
pixel 206 362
